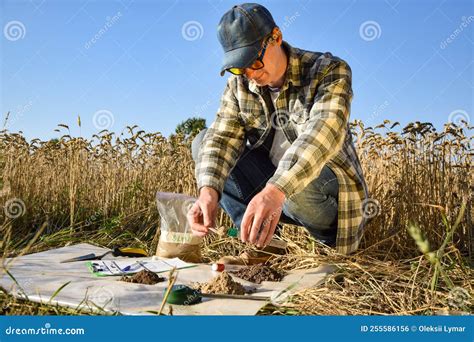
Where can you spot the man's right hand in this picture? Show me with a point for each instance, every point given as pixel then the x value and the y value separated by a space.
pixel 202 214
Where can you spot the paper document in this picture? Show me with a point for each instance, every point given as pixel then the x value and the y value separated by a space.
pixel 123 267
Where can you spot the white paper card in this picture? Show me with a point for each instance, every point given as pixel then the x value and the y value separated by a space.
pixel 123 267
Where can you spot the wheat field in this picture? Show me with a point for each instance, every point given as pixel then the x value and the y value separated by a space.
pixel 416 256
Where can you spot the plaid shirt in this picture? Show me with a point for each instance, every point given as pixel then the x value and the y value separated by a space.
pixel 313 112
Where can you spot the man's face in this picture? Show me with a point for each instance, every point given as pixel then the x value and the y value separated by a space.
pixel 271 61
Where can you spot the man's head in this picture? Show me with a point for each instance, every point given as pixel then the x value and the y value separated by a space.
pixel 252 44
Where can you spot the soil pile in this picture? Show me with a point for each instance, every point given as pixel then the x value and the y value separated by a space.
pixel 258 273
pixel 223 284
pixel 144 277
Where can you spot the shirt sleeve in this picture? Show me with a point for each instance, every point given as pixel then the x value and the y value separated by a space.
pixel 222 144
pixel 324 135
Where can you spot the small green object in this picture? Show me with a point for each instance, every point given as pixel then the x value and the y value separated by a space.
pixel 183 295
pixel 232 232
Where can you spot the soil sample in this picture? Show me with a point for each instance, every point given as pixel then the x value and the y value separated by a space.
pixel 258 273
pixel 143 277
pixel 176 237
pixel 223 284
pixel 184 251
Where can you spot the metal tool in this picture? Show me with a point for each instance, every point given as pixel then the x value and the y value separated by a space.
pixel 123 251
pixel 185 295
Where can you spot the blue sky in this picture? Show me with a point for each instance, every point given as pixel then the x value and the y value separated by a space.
pixel 154 64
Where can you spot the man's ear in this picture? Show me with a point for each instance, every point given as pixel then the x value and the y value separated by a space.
pixel 277 36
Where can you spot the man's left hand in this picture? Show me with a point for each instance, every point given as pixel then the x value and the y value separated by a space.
pixel 262 216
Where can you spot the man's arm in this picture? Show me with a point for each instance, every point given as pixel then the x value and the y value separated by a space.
pixel 324 135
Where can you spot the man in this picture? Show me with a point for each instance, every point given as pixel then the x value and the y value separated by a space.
pixel 280 148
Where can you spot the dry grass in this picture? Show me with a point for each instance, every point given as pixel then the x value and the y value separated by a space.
pixel 102 191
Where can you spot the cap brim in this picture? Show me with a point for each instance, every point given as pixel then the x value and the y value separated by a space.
pixel 241 57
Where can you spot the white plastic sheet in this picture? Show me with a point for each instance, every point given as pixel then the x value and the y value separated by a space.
pixel 41 274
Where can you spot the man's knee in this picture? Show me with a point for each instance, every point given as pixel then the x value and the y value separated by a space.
pixel 320 214
pixel 320 219
pixel 316 206
pixel 196 143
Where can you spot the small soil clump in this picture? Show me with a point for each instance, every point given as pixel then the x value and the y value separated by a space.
pixel 258 273
pixel 223 284
pixel 143 277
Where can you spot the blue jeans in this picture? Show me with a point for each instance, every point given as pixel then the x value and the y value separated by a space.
pixel 314 208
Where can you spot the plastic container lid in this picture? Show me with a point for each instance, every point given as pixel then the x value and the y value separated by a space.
pixel 232 232
pixel 183 295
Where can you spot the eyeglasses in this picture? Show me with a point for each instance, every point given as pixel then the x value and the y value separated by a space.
pixel 258 64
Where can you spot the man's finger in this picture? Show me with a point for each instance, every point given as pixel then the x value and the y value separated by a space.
pixel 264 230
pixel 245 224
pixel 195 210
pixel 256 226
pixel 206 215
pixel 199 233
pixel 271 231
pixel 199 228
pixel 195 221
